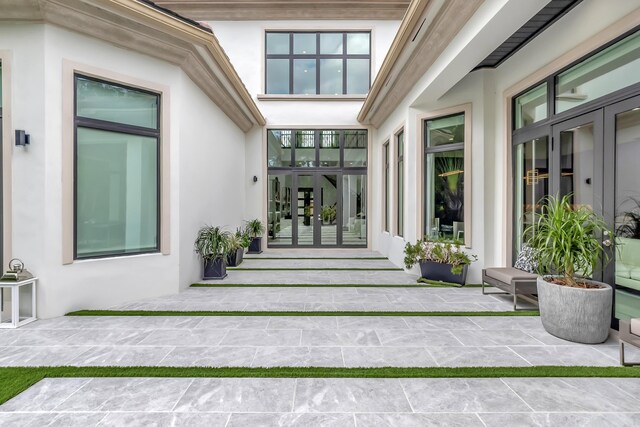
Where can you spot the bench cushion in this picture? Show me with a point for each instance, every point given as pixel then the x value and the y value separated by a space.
pixel 635 327
pixel 506 275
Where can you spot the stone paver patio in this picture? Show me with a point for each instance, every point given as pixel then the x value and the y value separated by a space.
pixel 327 402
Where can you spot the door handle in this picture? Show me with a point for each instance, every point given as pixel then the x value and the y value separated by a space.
pixel 607 243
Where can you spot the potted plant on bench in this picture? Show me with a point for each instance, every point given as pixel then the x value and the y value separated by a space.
pixel 212 244
pixel 255 230
pixel 566 239
pixel 439 259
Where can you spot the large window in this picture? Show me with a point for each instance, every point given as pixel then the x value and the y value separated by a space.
pixel 117 137
pixel 400 183
pixel 326 63
pixel 444 167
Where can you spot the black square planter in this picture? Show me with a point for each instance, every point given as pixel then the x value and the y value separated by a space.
pixel 214 269
pixel 255 247
pixel 235 258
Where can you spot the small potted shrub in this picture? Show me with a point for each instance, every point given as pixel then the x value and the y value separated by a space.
pixel 236 248
pixel 440 260
pixel 328 215
pixel 212 244
pixel 255 230
pixel 567 247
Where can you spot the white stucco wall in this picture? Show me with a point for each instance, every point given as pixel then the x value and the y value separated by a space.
pixel 206 155
pixel 244 44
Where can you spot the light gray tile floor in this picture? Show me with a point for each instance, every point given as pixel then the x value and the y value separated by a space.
pixel 314 253
pixel 350 341
pixel 326 402
pixel 326 299
pixel 318 277
pixel 303 263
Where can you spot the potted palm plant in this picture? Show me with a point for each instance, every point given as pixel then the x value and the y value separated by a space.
pixel 212 244
pixel 255 229
pixel 567 245
pixel 440 260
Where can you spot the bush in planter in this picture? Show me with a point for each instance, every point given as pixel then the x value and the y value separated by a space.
pixel 236 249
pixel 255 230
pixel 212 244
pixel 329 214
pixel 440 259
pixel 568 249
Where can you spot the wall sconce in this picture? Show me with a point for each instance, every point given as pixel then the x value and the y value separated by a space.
pixel 255 178
pixel 22 138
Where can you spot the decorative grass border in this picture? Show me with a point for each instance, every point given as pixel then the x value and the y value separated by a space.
pixel 201 313
pixel 16 380
pixel 314 269
pixel 303 285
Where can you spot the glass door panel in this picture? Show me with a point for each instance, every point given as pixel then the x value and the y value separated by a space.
pixel 280 210
pixel 354 210
pixel 305 195
pixel 328 218
pixel 623 137
pixel 531 185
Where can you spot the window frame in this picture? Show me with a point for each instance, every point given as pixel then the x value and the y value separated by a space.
pixel 386 168
pixel 115 127
pixel 400 183
pixel 317 56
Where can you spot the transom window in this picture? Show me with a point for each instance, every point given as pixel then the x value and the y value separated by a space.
pixel 310 63
pixel 116 187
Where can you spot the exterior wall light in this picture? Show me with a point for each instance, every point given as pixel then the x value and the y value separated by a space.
pixel 22 138
pixel 255 178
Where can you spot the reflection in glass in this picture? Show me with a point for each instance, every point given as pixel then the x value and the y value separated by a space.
pixel 279 148
pixel 355 148
pixel 305 210
pixel 627 214
pixel 357 76
pixel 118 104
pixel 277 76
pixel 305 151
pixel 329 148
pixel 354 210
pixel 277 43
pixel 445 130
pixel 576 164
pixel 329 209
pixel 445 194
pixel 614 68
pixel 331 76
pixel 357 43
pixel 304 43
pixel 531 184
pixel 279 226
pixel 304 76
pixel 117 193
pixel 331 43
pixel 531 107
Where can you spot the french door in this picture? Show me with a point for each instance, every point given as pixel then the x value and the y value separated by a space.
pixel 318 209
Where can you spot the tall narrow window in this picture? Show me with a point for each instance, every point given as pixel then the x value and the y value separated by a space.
pixel 400 182
pixel 386 185
pixel 444 177
pixel 117 138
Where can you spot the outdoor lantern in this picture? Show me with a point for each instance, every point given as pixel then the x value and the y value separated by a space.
pixel 17 296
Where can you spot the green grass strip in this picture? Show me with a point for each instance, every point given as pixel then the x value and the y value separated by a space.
pixel 314 269
pixel 16 380
pixel 303 285
pixel 437 284
pixel 318 257
pixel 302 313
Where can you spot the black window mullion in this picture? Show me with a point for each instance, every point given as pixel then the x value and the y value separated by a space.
pixel 291 78
pixel 317 57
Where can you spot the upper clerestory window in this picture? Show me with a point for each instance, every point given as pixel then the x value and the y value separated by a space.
pixel 318 63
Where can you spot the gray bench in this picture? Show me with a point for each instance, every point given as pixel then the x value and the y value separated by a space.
pixel 629 334
pixel 511 281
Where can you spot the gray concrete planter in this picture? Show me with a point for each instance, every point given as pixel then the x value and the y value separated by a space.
pixel 575 314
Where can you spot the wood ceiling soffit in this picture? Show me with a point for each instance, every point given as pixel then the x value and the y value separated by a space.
pixel 239 10
pixel 136 26
pixel 450 19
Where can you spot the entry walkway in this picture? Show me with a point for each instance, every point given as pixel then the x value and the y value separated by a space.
pixel 327 402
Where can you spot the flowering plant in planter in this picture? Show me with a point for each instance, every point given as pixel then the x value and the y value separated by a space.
pixel 439 251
